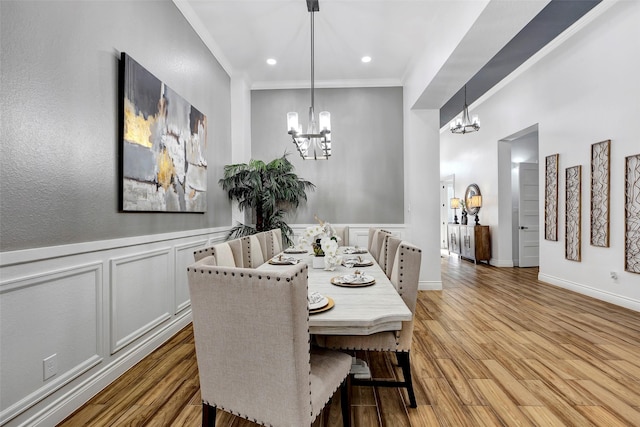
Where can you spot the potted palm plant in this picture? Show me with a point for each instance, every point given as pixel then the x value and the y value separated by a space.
pixel 269 189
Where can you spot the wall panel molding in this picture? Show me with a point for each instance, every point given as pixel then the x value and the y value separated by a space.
pixel 73 285
pixel 139 290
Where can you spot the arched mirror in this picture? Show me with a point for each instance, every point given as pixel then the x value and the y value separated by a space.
pixel 472 190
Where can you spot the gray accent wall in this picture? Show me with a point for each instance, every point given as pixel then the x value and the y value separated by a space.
pixel 362 182
pixel 59 108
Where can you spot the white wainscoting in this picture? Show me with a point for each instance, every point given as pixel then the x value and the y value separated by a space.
pixel 100 307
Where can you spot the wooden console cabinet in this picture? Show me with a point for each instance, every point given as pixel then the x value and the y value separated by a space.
pixel 470 241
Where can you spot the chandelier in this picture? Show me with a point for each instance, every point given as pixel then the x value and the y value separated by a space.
pixel 463 124
pixel 315 144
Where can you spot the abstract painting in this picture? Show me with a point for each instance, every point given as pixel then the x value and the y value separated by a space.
pixel 551 198
pixel 573 213
pixel 600 176
pixel 632 214
pixel 163 150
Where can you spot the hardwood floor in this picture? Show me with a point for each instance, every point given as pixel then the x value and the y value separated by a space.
pixel 495 347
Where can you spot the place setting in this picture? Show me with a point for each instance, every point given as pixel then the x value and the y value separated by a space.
pixel 295 250
pixel 319 303
pixel 283 260
pixel 356 279
pixel 353 250
pixel 356 261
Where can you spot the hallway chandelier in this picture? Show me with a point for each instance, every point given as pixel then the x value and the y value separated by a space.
pixel 463 124
pixel 315 144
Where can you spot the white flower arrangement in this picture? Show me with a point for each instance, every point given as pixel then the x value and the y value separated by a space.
pixel 324 241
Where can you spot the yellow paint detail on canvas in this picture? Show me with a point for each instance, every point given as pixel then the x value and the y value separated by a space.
pixel 137 129
pixel 166 170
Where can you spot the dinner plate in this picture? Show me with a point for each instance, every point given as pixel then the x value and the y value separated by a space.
pixel 353 281
pixel 280 260
pixel 295 251
pixel 316 301
pixel 329 306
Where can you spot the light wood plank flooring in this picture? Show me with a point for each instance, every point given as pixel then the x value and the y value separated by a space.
pixel 496 347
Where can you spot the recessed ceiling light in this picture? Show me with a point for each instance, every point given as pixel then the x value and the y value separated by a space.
pixel 366 59
pixel 271 61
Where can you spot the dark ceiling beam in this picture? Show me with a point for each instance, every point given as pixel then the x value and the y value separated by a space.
pixel 556 17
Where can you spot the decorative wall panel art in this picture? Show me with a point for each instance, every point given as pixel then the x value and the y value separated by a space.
pixel 551 198
pixel 573 213
pixel 164 141
pixel 600 187
pixel 632 214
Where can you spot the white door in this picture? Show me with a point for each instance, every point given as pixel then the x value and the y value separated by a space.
pixel 528 216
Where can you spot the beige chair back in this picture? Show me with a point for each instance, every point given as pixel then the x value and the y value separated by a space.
pixel 236 250
pixel 405 276
pixel 202 253
pixel 377 242
pixel 276 241
pixel 372 232
pixel 343 233
pixel 252 256
pixel 251 331
pixel 223 255
pixel 388 255
pixel 264 238
pixel 252 342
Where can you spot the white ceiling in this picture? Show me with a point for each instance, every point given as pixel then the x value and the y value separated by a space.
pixel 441 43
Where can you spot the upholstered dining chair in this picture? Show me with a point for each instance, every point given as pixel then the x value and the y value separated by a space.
pixel 202 253
pixel 251 331
pixel 404 276
pixel 264 238
pixel 343 233
pixel 276 241
pixel 236 249
pixel 376 243
pixel 388 253
pixel 270 243
pixel 221 254
pixel 252 256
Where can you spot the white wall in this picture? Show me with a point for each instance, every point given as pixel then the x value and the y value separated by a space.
pixel 583 91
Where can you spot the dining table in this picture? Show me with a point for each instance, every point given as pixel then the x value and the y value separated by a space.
pixel 360 309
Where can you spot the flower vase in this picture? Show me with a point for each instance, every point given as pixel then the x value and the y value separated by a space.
pixel 318 261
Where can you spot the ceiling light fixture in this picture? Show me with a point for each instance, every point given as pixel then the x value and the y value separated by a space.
pixel 271 61
pixel 314 144
pixel 463 124
pixel 366 59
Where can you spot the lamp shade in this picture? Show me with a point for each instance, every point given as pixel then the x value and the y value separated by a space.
pixel 292 122
pixel 476 201
pixel 455 203
pixel 325 121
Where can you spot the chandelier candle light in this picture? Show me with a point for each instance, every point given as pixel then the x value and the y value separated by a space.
pixel 315 144
pixel 463 124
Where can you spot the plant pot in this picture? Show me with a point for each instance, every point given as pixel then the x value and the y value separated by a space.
pixel 318 262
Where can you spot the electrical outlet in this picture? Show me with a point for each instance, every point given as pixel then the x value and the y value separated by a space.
pixel 613 275
pixel 50 366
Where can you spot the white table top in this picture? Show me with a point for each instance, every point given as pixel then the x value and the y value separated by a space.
pixel 358 310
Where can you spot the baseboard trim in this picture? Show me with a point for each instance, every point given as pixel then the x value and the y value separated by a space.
pixel 501 262
pixel 430 285
pixel 599 294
